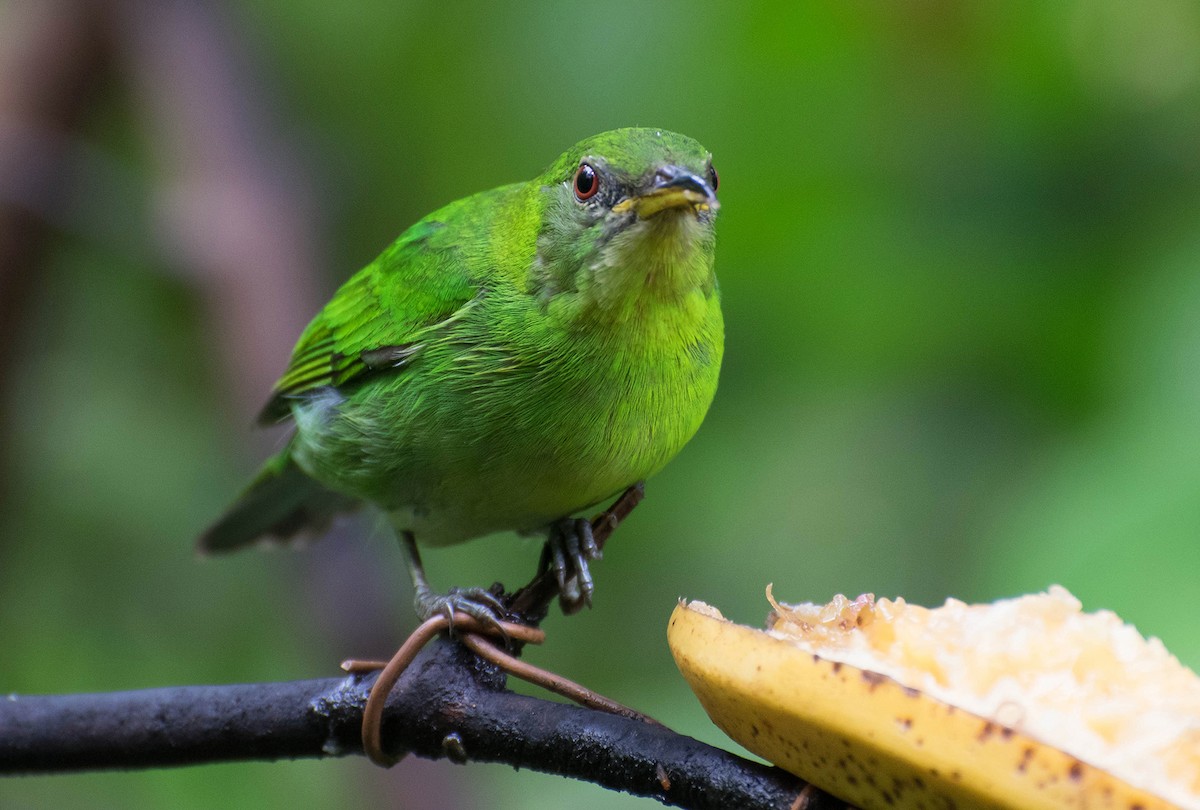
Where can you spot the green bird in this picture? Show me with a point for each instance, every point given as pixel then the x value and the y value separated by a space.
pixel 512 359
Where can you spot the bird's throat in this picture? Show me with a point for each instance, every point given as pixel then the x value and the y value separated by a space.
pixel 662 260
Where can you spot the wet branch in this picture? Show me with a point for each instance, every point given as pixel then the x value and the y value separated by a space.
pixel 449 704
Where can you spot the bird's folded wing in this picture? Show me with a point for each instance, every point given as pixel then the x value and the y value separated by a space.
pixel 378 319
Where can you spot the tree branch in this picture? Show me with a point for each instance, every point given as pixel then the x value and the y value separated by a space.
pixel 448 704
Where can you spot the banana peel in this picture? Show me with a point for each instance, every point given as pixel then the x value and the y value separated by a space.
pixel 869 740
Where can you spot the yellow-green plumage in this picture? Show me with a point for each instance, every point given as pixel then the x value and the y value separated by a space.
pixel 513 358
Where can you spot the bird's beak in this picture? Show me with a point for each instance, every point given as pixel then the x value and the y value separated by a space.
pixel 671 187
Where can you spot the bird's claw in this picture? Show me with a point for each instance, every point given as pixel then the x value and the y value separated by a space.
pixel 572 546
pixel 478 603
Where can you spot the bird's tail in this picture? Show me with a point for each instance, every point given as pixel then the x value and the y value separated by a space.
pixel 281 503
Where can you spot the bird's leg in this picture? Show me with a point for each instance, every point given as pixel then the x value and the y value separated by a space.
pixel 572 544
pixel 570 547
pixel 478 603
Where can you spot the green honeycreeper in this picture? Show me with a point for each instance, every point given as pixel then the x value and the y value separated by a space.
pixel 510 360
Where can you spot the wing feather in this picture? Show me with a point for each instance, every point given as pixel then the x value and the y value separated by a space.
pixel 374 324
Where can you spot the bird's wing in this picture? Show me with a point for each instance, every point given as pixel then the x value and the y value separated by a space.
pixel 377 321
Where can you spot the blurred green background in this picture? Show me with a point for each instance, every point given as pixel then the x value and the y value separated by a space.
pixel 959 252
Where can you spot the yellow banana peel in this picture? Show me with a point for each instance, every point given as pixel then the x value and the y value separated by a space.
pixel 870 740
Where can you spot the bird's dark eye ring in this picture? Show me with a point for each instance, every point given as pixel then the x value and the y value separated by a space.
pixel 713 179
pixel 587 182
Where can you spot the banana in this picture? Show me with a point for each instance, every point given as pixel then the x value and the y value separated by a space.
pixel 870 740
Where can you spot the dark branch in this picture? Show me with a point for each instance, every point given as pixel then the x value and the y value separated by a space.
pixel 448 704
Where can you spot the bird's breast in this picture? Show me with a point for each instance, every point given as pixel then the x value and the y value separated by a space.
pixel 628 397
pixel 528 422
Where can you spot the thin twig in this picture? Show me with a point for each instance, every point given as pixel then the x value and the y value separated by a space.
pixel 393 669
pixel 550 681
pixel 472 633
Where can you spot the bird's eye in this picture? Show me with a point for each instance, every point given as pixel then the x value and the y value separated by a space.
pixel 713 179
pixel 587 183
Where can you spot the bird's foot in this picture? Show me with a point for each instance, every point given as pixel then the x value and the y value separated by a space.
pixel 570 547
pixel 478 603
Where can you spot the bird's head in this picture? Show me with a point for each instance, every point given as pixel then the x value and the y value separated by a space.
pixel 628 214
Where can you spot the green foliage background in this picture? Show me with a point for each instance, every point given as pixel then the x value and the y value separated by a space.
pixel 960 263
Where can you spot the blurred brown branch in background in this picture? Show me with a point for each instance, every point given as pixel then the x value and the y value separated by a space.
pixel 227 209
pixel 232 212
pixel 50 59
pixel 449 704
